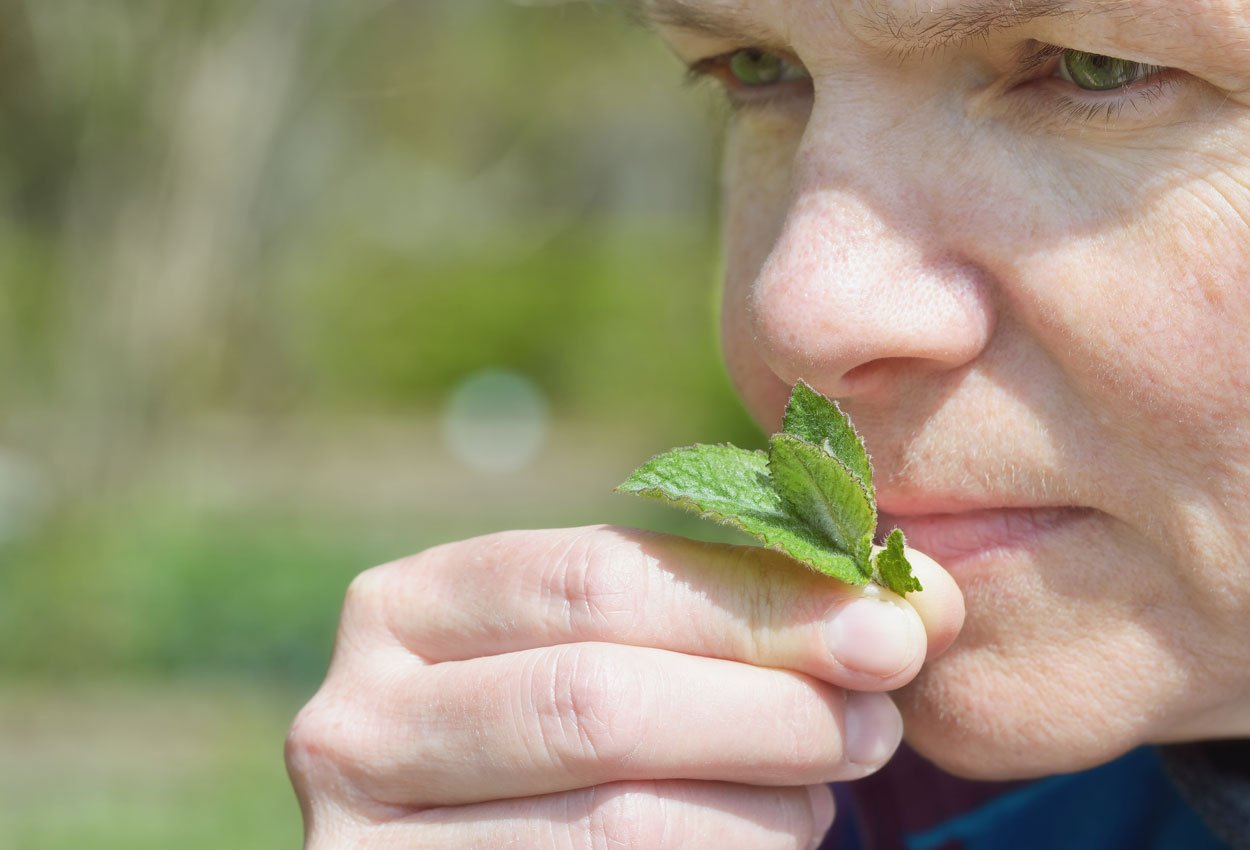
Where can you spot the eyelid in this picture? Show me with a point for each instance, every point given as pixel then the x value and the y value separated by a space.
pixel 740 94
pixel 1045 62
pixel 1067 103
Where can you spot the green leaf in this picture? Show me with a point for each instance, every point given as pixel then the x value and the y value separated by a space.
pixel 732 487
pixel 891 568
pixel 810 496
pixel 826 496
pixel 817 420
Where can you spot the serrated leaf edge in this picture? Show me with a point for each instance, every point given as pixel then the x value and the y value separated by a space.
pixel 688 448
pixel 730 521
pixel 913 583
pixel 867 486
pixel 857 551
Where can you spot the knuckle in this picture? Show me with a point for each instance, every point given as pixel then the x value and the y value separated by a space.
pixel 781 609
pixel 318 745
pixel 591 711
pixel 600 582
pixel 336 753
pixel 779 595
pixel 628 816
pixel 366 597
pixel 760 598
pixel 377 605
pixel 812 747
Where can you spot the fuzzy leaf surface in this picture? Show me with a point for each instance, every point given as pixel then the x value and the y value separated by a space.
pixel 891 568
pixel 817 420
pixel 732 486
pixel 819 490
pixel 810 496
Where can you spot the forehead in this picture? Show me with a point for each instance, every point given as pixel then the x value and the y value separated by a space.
pixel 1196 35
pixel 894 23
pixel 899 17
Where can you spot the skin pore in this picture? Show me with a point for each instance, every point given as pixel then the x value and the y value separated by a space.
pixel 1032 298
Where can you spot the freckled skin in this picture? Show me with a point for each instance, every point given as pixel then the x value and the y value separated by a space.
pixel 1025 308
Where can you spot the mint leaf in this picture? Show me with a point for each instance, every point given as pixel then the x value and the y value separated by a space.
pixel 815 419
pixel 825 495
pixel 731 486
pixel 890 569
pixel 810 496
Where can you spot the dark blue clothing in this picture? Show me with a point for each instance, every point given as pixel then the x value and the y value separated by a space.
pixel 1128 804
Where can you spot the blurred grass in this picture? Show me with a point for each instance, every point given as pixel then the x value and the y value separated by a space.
pixel 124 764
pixel 246 253
pixel 163 585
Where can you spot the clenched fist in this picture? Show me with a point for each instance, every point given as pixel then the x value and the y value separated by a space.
pixel 605 688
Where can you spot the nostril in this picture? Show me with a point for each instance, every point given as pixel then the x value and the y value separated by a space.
pixel 871 379
pixel 865 378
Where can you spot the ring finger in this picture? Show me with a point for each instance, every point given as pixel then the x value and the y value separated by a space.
pixel 674 815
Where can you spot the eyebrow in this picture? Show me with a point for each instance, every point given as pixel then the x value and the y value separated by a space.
pixel 923 31
pixel 965 22
pixel 721 21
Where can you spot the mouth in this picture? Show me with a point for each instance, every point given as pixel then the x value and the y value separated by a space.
pixel 966 536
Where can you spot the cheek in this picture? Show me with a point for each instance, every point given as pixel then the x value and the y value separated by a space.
pixel 1136 295
pixel 1148 323
pixel 1135 320
pixel 1145 326
pixel 759 155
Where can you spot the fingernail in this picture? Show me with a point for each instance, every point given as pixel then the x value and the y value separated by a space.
pixel 822 813
pixel 872 636
pixel 872 728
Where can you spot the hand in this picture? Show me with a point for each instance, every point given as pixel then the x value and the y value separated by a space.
pixel 605 688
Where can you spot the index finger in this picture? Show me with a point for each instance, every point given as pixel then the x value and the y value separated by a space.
pixel 523 590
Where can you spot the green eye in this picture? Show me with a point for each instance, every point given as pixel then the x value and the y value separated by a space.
pixel 1095 72
pixel 760 68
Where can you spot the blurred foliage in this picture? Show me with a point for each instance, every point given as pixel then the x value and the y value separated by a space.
pixel 293 205
pixel 293 212
pixel 246 252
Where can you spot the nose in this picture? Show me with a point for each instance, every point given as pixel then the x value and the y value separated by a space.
pixel 860 291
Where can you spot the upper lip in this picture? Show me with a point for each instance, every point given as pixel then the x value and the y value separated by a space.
pixel 929 504
pixel 951 519
pixel 952 537
pixel 927 480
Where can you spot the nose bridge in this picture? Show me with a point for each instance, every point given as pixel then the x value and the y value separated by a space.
pixel 862 273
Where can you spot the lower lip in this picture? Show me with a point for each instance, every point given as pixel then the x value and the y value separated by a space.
pixel 952 539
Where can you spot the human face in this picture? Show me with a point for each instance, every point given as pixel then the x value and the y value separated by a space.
pixel 1033 299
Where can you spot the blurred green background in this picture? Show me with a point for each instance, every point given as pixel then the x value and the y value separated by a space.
pixel 287 289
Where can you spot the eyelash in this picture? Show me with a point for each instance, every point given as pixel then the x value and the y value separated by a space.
pixel 1076 106
pixel 740 95
pixel 1072 110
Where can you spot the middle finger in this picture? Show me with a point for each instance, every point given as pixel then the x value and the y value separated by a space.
pixel 573 716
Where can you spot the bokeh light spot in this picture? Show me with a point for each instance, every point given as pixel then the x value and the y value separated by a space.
pixel 495 421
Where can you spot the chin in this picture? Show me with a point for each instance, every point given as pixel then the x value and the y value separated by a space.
pixel 1059 667
pixel 978 719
